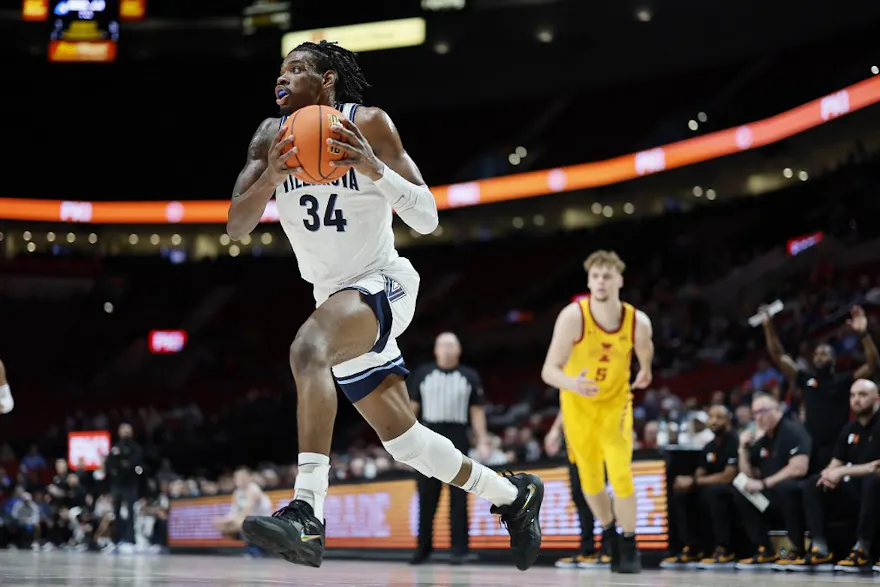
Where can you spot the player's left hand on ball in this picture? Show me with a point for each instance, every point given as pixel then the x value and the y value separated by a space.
pixel 643 379
pixel 360 153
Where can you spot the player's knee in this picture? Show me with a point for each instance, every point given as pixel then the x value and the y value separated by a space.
pixel 427 452
pixel 307 352
pixel 623 485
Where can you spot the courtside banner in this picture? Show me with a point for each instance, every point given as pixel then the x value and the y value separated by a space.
pixel 385 515
pixel 509 187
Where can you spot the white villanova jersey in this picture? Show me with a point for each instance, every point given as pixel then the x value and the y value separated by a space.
pixel 339 231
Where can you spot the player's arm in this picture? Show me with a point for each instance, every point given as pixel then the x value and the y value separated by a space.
pixel 566 332
pixel 644 349
pixel 265 168
pixel 6 401
pixel 785 363
pixel 375 149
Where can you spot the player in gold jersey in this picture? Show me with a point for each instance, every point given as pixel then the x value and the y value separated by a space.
pixel 589 360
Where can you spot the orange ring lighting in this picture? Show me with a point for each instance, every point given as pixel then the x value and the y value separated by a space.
pixel 498 189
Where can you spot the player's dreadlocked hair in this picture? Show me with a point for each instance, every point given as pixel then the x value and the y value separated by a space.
pixel 350 81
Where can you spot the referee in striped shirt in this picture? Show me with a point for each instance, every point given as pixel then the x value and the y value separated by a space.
pixel 448 397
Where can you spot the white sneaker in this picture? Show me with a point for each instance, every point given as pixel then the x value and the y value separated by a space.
pixel 109 549
pixel 126 549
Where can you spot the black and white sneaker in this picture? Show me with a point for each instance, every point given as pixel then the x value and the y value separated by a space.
pixel 292 532
pixel 521 518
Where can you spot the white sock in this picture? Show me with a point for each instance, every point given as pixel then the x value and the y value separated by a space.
pixel 488 484
pixel 312 481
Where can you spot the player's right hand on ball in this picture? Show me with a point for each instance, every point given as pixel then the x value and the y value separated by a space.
pixel 584 386
pixel 279 155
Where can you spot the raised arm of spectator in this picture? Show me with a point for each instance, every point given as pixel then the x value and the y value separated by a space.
pixel 785 363
pixel 859 323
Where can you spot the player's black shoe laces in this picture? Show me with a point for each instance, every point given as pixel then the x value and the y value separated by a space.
pixel 294 508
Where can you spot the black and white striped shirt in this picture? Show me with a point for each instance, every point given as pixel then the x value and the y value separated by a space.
pixel 445 395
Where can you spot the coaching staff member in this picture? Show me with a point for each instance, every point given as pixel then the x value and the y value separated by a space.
pixel 826 392
pixel 852 481
pixel 448 396
pixel 773 464
pixel 701 503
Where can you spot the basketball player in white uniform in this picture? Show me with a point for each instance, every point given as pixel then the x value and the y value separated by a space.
pixel 365 295
pixel 248 499
pixel 6 402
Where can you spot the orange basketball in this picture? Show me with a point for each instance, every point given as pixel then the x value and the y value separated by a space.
pixel 311 129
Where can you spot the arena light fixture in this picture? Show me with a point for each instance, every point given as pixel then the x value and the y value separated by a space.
pixel 596 208
pixel 133 239
pixel 71 238
pixel 698 191
pixel 513 159
pixel 50 236
pixel 371 36
pixel 441 47
pixel 628 208
pixel 701 116
pixel 545 35
pixel 644 15
pixel 875 70
pixel 154 239
pixel 803 175
pixel 787 173
pixel 518 222
pixel 710 194
pixel 266 239
pixel 538 220
pixel 93 238
pixel 693 124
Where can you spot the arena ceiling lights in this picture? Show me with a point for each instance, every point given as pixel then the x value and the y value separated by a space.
pixel 371 36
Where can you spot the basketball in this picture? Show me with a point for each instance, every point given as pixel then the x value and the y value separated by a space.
pixel 311 129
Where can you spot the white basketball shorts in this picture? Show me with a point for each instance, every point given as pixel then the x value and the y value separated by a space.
pixel 391 294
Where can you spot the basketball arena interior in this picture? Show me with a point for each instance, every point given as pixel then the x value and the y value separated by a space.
pixel 727 152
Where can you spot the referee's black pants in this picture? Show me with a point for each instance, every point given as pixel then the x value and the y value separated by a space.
pixel 429 497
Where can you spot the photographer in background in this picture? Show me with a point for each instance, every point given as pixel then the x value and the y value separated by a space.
pixel 125 469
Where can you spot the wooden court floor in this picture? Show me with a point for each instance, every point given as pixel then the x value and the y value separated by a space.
pixel 19 569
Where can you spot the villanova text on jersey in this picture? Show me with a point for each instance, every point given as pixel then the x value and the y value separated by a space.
pixel 348 181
